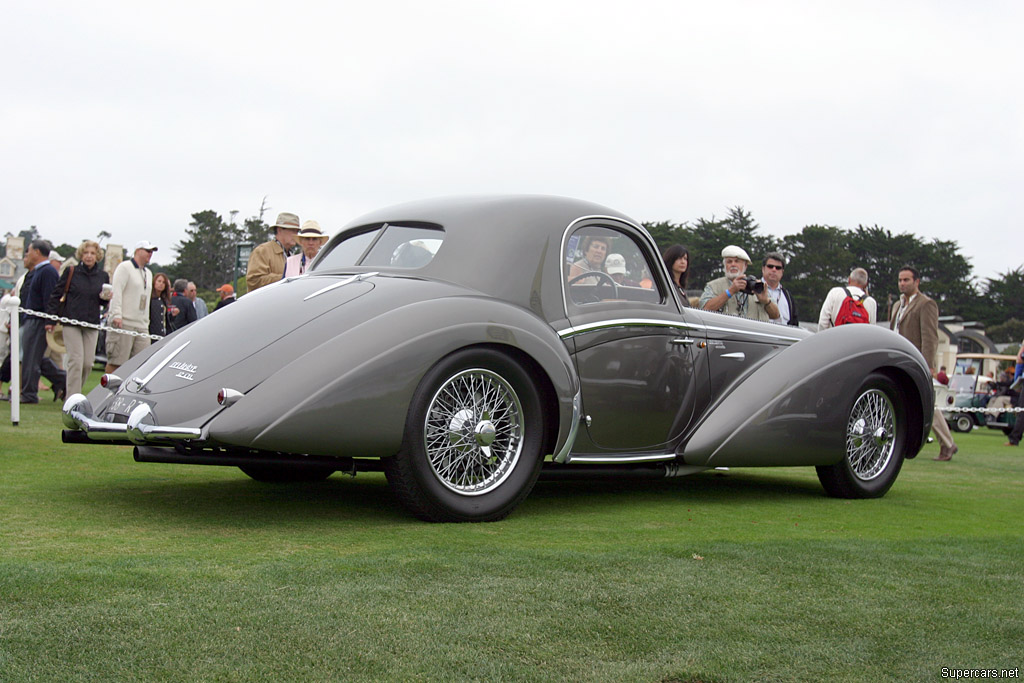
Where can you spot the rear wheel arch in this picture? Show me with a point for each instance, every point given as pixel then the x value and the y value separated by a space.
pixel 912 409
pixel 545 387
pixel 447 470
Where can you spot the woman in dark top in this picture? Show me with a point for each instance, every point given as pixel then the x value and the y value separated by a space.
pixel 160 309
pixel 81 287
pixel 677 260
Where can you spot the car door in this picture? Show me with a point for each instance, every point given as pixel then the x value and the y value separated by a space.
pixel 633 346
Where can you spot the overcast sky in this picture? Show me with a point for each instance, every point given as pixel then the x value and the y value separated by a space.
pixel 130 116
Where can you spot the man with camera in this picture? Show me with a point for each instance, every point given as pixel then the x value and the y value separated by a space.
pixel 737 293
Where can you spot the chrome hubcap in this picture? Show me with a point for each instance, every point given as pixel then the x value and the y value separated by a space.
pixel 473 432
pixel 870 434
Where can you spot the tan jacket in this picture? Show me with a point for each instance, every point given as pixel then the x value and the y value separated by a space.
pixel 919 324
pixel 266 265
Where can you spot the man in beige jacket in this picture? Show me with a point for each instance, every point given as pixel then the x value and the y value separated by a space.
pixel 917 319
pixel 266 263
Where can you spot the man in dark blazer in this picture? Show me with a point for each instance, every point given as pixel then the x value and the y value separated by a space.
pixel 771 274
pixel 917 318
pixel 36 291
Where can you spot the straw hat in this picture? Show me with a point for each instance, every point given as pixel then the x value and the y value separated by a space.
pixel 55 340
pixel 286 220
pixel 312 229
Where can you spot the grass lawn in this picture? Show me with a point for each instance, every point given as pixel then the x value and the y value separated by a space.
pixel 113 570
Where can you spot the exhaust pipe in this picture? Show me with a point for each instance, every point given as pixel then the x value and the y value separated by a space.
pixel 239 459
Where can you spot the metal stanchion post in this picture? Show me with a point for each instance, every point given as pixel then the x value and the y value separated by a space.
pixel 13 303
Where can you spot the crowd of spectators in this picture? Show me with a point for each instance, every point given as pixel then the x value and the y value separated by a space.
pixel 135 304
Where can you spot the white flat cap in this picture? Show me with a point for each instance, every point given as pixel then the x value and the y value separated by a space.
pixel 732 251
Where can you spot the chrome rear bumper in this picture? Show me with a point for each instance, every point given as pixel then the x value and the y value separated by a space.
pixel 141 428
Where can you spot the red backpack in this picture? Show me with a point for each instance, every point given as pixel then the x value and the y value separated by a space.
pixel 852 310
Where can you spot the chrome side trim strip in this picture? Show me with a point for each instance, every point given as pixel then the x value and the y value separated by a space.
pixel 752 334
pixel 621 458
pixel 574 428
pixel 627 322
pixel 346 281
pixel 574 330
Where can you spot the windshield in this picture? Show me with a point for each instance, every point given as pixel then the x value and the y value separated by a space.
pixel 384 246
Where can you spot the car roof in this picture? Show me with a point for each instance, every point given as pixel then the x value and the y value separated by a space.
pixel 518 213
pixel 501 245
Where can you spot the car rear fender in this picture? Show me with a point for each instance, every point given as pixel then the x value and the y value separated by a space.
pixel 350 395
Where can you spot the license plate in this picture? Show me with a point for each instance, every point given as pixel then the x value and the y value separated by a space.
pixel 122 406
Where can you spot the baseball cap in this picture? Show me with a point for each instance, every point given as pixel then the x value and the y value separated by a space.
pixel 615 264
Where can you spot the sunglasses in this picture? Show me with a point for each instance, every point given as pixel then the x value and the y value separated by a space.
pixel 773 266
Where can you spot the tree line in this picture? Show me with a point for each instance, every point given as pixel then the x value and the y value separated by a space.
pixel 818 257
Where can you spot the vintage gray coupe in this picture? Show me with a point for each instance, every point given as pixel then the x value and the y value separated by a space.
pixel 455 345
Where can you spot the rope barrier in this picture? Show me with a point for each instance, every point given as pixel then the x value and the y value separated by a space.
pixel 13 305
pixel 80 323
pixel 991 411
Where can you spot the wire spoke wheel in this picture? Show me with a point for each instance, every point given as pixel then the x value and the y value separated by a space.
pixel 870 434
pixel 473 431
pixel 875 440
pixel 474 436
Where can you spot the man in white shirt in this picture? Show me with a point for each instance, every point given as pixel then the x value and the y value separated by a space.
pixel 857 285
pixel 129 306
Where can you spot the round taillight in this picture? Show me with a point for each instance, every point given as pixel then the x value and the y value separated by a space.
pixel 228 397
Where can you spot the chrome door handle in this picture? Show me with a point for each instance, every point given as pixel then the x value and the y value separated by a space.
pixel 739 355
pixel 683 341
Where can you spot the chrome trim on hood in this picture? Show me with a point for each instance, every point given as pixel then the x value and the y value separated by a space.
pixel 355 278
pixel 140 384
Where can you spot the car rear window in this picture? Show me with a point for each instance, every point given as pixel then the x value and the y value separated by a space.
pixel 384 246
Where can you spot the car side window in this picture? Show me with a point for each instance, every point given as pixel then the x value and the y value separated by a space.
pixel 607 265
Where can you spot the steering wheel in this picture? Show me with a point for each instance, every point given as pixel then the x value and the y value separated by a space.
pixel 600 275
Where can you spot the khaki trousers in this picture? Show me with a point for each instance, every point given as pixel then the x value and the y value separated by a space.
pixel 81 345
pixel 941 430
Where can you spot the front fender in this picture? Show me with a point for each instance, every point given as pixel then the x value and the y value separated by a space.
pixel 350 395
pixel 793 409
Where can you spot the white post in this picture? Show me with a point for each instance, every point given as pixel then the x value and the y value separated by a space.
pixel 15 387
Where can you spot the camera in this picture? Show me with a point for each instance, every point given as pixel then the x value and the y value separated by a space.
pixel 754 286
